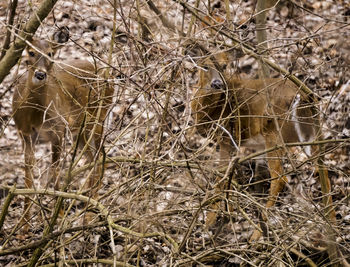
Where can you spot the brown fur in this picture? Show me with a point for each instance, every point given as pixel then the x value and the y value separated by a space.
pixel 273 110
pixel 68 96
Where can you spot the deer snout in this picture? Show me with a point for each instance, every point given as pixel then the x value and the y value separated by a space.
pixel 217 84
pixel 40 75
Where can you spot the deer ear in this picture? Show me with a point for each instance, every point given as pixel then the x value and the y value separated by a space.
pixel 61 36
pixel 194 49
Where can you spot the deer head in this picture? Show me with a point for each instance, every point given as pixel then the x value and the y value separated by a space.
pixel 40 54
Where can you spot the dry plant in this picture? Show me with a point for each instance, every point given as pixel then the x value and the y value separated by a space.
pixel 159 175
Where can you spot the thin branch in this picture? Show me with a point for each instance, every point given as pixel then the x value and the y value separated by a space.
pixel 261 35
pixel 50 237
pixel 12 8
pixel 249 50
pixel 26 34
pixel 103 210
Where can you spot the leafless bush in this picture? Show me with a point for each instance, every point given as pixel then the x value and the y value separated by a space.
pixel 159 172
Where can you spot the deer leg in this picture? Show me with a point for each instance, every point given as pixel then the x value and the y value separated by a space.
pixel 95 180
pixel 93 183
pixel 278 180
pixel 29 160
pixel 92 146
pixel 56 148
pixel 325 183
pixel 333 250
pixel 225 156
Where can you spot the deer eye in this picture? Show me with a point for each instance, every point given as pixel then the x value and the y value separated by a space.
pixel 50 54
pixel 224 67
pixel 31 53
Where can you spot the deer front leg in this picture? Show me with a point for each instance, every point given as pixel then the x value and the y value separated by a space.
pixel 29 160
pixel 278 180
pixel 225 156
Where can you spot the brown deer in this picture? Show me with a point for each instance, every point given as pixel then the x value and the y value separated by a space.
pixel 51 97
pixel 269 112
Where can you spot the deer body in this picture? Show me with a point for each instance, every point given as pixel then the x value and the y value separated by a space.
pixel 255 106
pixel 57 102
pixel 273 111
pixel 51 98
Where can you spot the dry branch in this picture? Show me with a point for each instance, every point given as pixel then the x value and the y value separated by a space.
pixel 163 184
pixel 96 204
pixel 50 237
pixel 26 34
pixel 261 35
pixel 249 50
pixel 12 12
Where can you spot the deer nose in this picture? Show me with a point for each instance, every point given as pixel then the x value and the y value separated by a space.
pixel 40 75
pixel 217 84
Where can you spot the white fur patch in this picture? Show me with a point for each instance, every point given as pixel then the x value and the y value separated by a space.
pixel 297 125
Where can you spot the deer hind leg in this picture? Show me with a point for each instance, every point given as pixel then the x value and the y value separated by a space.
pixel 332 245
pixel 92 144
pixel 325 183
pixel 278 180
pixel 94 180
pixel 56 148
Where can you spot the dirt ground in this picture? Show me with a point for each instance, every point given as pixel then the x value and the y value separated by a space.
pixel 159 172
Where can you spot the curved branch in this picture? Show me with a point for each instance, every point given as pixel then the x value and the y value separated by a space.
pixel 103 210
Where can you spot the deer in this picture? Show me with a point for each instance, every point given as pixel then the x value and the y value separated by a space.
pixel 263 113
pixel 51 98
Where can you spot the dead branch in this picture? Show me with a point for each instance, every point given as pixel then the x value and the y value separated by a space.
pixel 25 34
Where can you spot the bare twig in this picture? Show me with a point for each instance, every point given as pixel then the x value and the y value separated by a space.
pixel 14 53
pixel 12 8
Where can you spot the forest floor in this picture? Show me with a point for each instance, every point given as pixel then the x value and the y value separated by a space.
pixel 160 174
